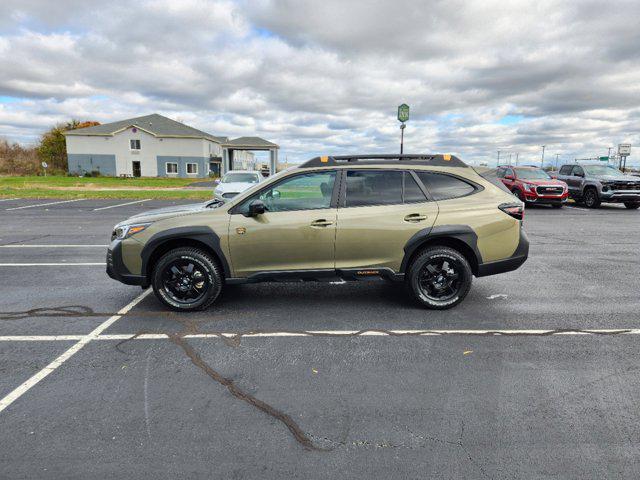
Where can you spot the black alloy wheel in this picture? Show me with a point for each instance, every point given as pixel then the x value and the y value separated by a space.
pixel 591 199
pixel 440 277
pixel 187 279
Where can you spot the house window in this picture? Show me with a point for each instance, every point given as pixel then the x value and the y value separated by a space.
pixel 134 144
pixel 192 168
pixel 172 167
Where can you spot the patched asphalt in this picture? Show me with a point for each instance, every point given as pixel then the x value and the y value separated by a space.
pixel 452 406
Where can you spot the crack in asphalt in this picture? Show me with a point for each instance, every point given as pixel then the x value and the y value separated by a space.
pixel 300 436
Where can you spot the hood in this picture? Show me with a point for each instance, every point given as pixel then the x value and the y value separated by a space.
pixel 168 212
pixel 549 181
pixel 234 187
pixel 613 178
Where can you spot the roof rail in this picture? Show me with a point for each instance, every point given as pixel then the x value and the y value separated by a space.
pixel 439 160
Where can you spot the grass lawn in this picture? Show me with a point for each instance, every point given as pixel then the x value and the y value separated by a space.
pixel 100 187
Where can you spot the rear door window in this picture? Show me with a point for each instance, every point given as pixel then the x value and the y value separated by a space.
pixel 374 187
pixel 565 170
pixel 443 187
pixel 412 192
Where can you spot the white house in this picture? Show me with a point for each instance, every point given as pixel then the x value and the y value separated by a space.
pixel 156 146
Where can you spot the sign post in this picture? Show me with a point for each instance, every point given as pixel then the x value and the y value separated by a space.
pixel 624 150
pixel 403 116
pixel 44 165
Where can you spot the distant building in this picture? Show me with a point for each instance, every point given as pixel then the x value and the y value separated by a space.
pixel 156 146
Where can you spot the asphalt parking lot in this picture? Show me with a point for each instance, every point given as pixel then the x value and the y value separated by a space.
pixel 535 375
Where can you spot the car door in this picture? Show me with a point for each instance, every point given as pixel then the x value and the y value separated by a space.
pixel 379 211
pixel 296 232
pixel 574 180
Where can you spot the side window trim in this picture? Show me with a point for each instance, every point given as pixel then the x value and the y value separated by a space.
pixel 420 186
pixel 334 194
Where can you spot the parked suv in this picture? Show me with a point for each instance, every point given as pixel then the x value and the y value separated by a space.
pixel 533 185
pixel 427 220
pixel 593 184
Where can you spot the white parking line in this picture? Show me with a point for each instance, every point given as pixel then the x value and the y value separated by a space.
pixel 52 246
pixel 121 205
pixel 336 333
pixel 62 264
pixel 45 204
pixel 26 386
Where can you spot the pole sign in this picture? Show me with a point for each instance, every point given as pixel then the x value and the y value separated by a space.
pixel 403 113
pixel 604 159
pixel 624 149
pixel 44 165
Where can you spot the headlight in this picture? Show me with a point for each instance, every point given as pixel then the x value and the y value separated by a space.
pixel 125 231
pixel 530 186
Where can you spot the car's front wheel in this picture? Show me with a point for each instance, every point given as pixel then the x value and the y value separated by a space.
pixel 632 205
pixel 439 277
pixel 591 199
pixel 187 279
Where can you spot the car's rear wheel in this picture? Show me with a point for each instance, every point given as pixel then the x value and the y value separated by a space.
pixel 591 199
pixel 632 205
pixel 187 279
pixel 439 277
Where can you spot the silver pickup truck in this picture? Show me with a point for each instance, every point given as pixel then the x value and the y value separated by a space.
pixel 594 184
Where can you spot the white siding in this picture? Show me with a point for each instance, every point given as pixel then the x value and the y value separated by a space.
pixel 150 148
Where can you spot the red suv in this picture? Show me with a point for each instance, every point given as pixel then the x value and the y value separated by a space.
pixel 534 185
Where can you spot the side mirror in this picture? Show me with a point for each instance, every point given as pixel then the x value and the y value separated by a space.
pixel 509 177
pixel 216 181
pixel 256 208
pixel 275 194
pixel 581 175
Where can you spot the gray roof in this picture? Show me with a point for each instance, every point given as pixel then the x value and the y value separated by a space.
pixel 158 125
pixel 250 142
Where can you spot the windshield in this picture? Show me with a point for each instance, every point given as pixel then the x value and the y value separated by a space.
pixel 240 178
pixel 602 170
pixel 532 174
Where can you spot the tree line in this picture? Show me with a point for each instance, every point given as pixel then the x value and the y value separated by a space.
pixel 51 148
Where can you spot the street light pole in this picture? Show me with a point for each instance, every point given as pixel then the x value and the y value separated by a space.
pixel 557 155
pixel 542 159
pixel 498 157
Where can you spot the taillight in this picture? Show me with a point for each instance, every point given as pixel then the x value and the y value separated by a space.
pixel 515 210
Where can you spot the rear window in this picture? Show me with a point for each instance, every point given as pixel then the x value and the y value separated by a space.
pixel 444 187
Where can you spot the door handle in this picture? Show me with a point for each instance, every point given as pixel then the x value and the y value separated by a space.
pixel 321 223
pixel 415 217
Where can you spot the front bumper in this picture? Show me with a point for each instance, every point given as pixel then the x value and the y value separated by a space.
pixel 512 263
pixel 117 270
pixel 619 196
pixel 546 199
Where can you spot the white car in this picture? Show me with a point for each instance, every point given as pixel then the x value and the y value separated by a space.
pixel 235 182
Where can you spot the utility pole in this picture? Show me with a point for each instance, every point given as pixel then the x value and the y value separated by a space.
pixel 509 158
pixel 517 155
pixel 498 157
pixel 542 159
pixel 557 155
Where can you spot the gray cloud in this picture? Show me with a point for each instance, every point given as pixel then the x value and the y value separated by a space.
pixel 327 76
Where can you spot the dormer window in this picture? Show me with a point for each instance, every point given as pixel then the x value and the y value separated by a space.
pixel 134 144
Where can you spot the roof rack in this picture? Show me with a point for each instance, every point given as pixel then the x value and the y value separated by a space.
pixel 438 160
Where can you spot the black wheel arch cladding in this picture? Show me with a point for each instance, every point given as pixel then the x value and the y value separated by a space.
pixel 200 234
pixel 460 233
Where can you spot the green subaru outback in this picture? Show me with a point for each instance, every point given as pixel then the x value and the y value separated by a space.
pixel 429 221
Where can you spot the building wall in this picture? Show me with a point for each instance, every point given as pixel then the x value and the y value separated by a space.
pixel 203 166
pixel 151 148
pixel 82 163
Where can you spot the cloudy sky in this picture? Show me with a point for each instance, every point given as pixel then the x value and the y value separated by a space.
pixel 326 76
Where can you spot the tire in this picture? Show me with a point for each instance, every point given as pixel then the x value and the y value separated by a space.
pixel 590 198
pixel 177 275
pixel 430 287
pixel 632 205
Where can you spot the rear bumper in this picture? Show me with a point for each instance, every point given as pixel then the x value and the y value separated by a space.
pixel 512 263
pixel 117 270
